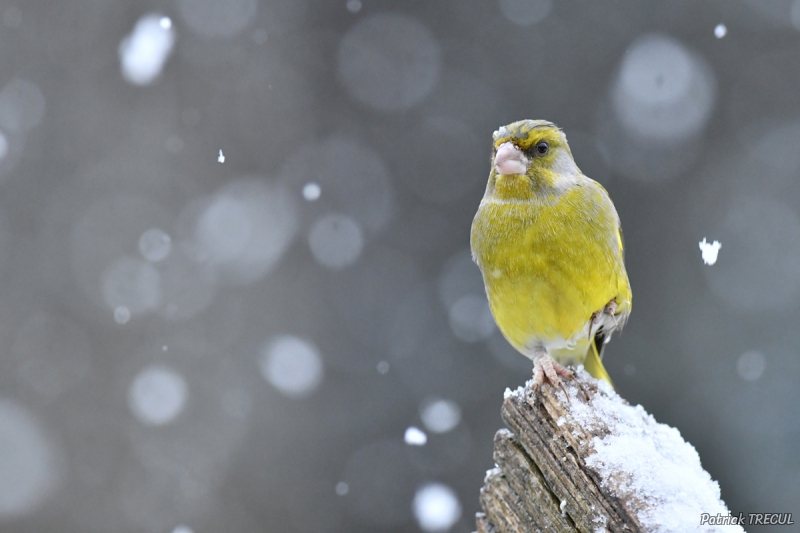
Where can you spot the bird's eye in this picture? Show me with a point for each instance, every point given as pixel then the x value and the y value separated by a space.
pixel 542 148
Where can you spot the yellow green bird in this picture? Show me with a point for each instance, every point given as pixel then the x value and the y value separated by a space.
pixel 548 242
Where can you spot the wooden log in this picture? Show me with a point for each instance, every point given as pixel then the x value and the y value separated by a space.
pixel 585 460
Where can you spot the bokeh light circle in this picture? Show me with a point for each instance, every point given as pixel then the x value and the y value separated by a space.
pixel 155 245
pixel 440 415
pixel 22 106
pixel 132 283
pixel 341 175
pixel 292 365
pixel 225 229
pixel 463 295
pixel 28 469
pixel 122 315
pixel 663 90
pixel 245 228
pixel 389 62
pixel 102 247
pixel 794 14
pixel 157 395
pixel 436 507
pixel 336 241
pixel 188 282
pixel 3 146
pixel 471 318
pixel 525 12
pixel 311 191
pixel 750 365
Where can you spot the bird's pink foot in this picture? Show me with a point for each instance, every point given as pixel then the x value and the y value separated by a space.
pixel 546 369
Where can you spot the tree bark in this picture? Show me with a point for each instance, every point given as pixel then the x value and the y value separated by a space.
pixel 542 482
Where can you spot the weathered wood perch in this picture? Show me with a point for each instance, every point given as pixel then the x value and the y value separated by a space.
pixel 592 463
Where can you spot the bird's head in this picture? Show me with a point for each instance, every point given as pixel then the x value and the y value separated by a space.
pixel 530 158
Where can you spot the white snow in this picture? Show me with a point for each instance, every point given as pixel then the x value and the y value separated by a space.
pixel 720 31
pixel 415 436
pixel 509 393
pixel 221 157
pixel 492 472
pixel 709 251
pixel 641 459
pixel 144 52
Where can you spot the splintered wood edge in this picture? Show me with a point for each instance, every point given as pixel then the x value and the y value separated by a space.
pixel 502 506
pixel 526 480
pixel 542 471
pixel 483 524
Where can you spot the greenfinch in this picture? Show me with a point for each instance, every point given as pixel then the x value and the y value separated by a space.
pixel 548 242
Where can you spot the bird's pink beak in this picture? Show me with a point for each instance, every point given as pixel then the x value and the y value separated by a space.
pixel 510 159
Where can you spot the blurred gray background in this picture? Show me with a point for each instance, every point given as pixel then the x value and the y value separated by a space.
pixel 235 286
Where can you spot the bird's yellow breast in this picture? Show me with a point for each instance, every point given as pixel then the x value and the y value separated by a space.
pixel 550 263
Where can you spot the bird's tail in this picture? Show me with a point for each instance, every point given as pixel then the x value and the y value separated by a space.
pixel 593 364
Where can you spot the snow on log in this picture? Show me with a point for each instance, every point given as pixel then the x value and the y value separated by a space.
pixel 588 461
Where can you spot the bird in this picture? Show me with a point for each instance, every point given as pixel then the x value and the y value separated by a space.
pixel 548 242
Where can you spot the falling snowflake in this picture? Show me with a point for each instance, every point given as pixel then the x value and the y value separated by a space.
pixel 710 251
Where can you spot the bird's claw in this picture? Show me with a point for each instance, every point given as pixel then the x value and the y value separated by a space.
pixel 546 369
pixel 611 309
